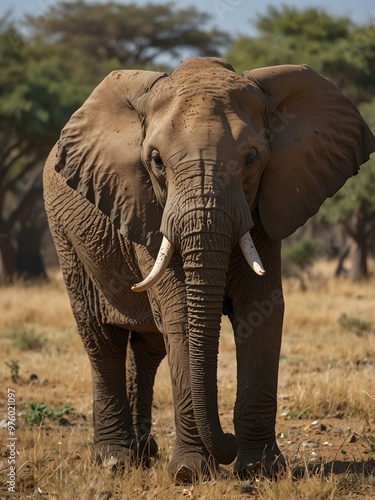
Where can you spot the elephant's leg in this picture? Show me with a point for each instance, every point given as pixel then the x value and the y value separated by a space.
pixel 145 352
pixel 105 345
pixel 257 317
pixel 114 439
pixel 190 458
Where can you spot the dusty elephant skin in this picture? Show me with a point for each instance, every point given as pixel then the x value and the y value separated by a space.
pixel 198 157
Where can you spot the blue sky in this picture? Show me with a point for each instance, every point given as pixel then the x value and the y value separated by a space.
pixel 229 15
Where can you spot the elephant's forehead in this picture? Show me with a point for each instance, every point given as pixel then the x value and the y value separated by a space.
pixel 196 100
pixel 210 89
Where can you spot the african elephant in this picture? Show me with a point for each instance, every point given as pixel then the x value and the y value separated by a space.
pixel 174 170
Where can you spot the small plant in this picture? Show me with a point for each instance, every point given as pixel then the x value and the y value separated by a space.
pixel 350 482
pixel 14 367
pixel 369 448
pixel 37 412
pixel 354 324
pixel 26 339
pixel 297 414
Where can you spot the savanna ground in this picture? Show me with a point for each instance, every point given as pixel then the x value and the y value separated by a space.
pixel 326 416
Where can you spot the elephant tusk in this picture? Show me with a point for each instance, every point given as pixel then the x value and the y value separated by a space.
pixel 161 263
pixel 251 255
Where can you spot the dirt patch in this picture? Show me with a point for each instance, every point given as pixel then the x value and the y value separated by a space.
pixel 328 445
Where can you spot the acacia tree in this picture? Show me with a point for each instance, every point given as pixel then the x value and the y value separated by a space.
pixel 36 97
pixel 132 35
pixel 334 46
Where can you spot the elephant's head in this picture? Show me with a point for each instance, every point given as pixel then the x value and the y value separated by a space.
pixel 191 155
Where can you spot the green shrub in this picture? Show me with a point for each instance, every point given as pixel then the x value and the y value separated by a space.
pixel 14 367
pixel 26 339
pixel 37 412
pixel 354 324
pixel 296 413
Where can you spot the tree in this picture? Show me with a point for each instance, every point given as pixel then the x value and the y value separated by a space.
pixel 337 48
pixel 134 36
pixel 38 92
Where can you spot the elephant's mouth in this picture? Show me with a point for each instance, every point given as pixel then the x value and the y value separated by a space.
pixel 166 251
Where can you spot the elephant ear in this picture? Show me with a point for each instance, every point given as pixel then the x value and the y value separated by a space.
pixel 99 154
pixel 317 139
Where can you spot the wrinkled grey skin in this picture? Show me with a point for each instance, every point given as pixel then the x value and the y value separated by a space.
pixel 200 156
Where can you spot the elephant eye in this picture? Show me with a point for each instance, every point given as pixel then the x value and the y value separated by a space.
pixel 156 159
pixel 251 156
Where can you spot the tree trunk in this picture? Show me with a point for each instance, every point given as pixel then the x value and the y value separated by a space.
pixel 343 254
pixel 8 259
pixel 29 259
pixel 360 269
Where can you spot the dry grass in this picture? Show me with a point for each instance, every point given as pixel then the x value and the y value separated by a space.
pixel 326 375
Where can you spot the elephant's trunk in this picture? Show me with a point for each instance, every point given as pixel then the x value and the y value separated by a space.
pixel 205 272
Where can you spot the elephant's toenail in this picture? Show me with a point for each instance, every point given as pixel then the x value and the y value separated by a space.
pixel 184 475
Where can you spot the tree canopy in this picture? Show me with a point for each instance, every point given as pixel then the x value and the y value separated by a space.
pixel 39 89
pixel 334 46
pixel 134 36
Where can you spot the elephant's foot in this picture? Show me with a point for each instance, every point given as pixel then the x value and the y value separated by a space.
pixel 267 462
pixel 189 464
pixel 147 448
pixel 113 456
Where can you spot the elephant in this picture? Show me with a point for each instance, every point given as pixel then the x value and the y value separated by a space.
pixel 168 196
